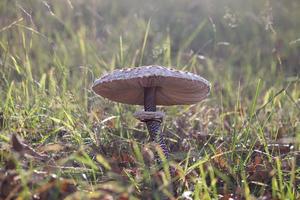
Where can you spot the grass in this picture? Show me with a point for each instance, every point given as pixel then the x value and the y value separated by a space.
pixel 241 142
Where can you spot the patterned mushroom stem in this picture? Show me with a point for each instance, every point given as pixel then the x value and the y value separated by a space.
pixel 154 125
pixel 154 128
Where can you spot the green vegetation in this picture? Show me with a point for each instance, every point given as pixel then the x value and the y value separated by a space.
pixel 242 142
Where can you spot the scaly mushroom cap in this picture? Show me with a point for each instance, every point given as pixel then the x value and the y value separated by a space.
pixel 173 87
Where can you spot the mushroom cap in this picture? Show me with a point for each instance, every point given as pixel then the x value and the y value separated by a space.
pixel 173 87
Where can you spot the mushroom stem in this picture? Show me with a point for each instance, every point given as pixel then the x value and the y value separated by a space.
pixel 154 125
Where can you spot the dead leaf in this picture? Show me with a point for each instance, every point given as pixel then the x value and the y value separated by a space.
pixel 220 160
pixel 123 196
pixel 259 169
pixel 16 144
pixel 55 189
pixel 148 155
pixel 51 148
pixel 23 148
pixel 10 184
pixel 106 197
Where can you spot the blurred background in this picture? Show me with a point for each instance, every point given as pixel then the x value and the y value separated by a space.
pixel 220 39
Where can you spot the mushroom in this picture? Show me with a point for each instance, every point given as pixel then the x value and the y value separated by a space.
pixel 151 86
